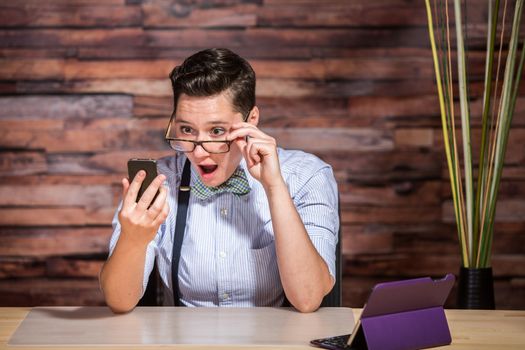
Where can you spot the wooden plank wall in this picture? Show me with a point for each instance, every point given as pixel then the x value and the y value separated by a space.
pixel 84 87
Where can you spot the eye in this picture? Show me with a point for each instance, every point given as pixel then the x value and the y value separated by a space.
pixel 217 131
pixel 186 130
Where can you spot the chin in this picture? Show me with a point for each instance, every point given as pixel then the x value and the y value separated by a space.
pixel 214 181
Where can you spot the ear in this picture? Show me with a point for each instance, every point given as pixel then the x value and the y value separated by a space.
pixel 253 117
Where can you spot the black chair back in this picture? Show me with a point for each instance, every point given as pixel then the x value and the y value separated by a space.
pixel 334 298
pixel 152 295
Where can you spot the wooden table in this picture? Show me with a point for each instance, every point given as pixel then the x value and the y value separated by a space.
pixel 470 329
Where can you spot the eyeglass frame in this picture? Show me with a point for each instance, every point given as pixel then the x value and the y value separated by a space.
pixel 197 143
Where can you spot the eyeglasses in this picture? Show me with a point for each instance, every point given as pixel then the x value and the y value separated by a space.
pixel 188 146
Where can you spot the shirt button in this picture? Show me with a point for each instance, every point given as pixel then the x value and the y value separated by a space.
pixel 224 212
pixel 222 254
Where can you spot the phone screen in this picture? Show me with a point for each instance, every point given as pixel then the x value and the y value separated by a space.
pixel 149 166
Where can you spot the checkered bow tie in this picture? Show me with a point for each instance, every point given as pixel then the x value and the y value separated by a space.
pixel 236 184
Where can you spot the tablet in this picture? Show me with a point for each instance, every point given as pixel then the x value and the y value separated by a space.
pixel 404 314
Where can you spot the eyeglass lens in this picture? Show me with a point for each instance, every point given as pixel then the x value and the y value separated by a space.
pixel 211 147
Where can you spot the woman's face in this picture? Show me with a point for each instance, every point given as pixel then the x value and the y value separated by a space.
pixel 208 118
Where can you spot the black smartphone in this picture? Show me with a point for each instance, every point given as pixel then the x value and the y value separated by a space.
pixel 149 166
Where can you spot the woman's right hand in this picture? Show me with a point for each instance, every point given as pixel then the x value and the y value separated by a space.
pixel 140 221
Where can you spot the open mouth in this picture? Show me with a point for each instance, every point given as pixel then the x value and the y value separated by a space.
pixel 207 169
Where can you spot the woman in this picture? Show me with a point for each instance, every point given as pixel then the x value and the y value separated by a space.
pixel 261 223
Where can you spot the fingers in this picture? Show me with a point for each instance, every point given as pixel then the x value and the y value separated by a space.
pixel 157 205
pixel 151 217
pixel 132 189
pixel 149 194
pixel 253 143
pixel 240 142
pixel 138 221
pixel 125 187
pixel 253 152
pixel 246 154
pixel 241 130
pixel 256 149
pixel 161 217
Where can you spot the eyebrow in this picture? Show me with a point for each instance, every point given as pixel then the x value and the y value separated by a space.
pixel 211 122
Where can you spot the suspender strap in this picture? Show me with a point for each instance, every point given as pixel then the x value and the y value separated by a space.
pixel 180 225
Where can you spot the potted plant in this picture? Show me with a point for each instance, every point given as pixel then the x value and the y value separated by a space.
pixel 475 196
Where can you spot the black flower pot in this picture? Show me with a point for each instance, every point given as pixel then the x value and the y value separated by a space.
pixel 476 288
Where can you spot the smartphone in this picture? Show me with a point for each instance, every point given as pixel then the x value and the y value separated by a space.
pixel 149 166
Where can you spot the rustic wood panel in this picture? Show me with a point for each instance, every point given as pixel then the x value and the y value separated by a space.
pixel 72 268
pixel 65 107
pixel 507 210
pixel 267 87
pixel 348 68
pixel 414 137
pixel 428 264
pixel 515 146
pixel 41 38
pixel 21 267
pixel 64 179
pixel 510 292
pixel 69 216
pixel 100 163
pixel 45 14
pixel 55 195
pixel 22 163
pixel 151 107
pixel 321 139
pixel 388 166
pixel 41 291
pixel 391 215
pixel 52 267
pixel 172 14
pixel 407 193
pixel 44 242
pixel 84 87
pixel 87 140
pixel 281 52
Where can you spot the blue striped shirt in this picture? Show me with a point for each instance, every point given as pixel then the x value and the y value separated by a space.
pixel 228 253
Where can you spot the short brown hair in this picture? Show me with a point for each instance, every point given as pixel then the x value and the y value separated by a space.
pixel 212 71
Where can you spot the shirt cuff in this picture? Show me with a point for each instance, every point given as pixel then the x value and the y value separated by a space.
pixel 326 250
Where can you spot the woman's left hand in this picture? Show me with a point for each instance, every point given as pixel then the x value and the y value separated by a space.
pixel 260 152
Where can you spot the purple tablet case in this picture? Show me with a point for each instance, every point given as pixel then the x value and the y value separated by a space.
pixel 405 315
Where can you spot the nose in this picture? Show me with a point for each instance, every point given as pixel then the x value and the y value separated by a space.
pixel 200 152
